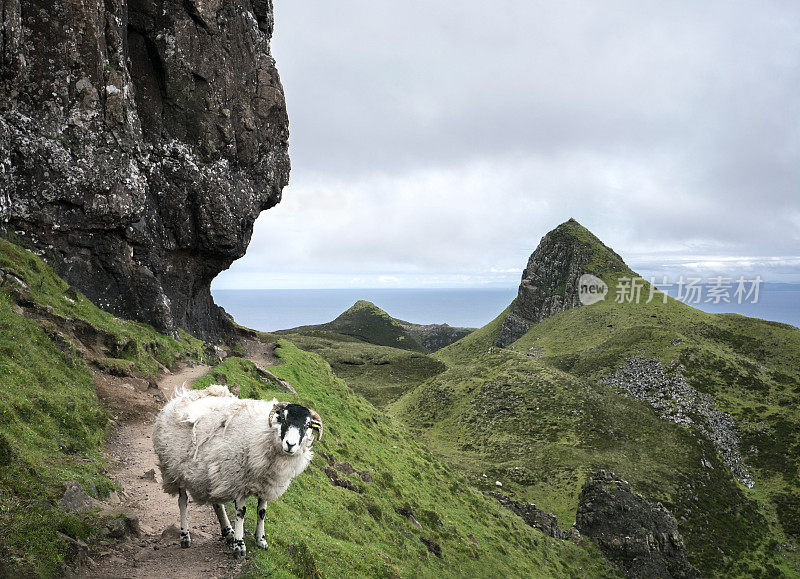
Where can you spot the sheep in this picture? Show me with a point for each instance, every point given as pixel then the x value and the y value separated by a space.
pixel 219 448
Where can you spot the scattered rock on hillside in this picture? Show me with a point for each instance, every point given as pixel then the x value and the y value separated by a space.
pixel 149 475
pixel 668 392
pixel 339 481
pixel 119 525
pixel 533 516
pixel 76 499
pixel 432 546
pixel 642 539
pixel 76 553
pixel 116 523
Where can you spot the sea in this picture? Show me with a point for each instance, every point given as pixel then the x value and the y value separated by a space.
pixel 270 310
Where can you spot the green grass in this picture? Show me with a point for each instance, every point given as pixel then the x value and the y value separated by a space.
pixel 379 373
pixel 542 425
pixel 367 322
pixel 317 529
pixel 51 429
pixel 51 422
pixel 237 373
pixel 475 344
pixel 131 341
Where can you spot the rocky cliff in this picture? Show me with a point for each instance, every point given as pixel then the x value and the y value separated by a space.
pixel 550 280
pixel 139 141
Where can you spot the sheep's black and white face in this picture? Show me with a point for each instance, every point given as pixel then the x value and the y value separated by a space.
pixel 296 427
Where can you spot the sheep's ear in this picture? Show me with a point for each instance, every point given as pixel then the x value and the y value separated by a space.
pixel 316 424
pixel 275 409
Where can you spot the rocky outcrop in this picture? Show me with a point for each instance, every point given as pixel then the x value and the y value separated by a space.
pixel 434 337
pixel 642 539
pixel 670 395
pixel 550 280
pixel 533 516
pixel 139 141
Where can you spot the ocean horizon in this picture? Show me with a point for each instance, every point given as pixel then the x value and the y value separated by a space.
pixel 269 310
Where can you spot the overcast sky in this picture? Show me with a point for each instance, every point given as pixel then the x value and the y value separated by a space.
pixel 434 143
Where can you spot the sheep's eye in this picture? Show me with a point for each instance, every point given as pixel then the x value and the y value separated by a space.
pixel 279 418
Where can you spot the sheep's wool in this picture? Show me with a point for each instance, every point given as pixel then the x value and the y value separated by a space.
pixel 221 448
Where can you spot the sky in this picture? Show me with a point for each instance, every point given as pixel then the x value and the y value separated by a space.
pixel 433 144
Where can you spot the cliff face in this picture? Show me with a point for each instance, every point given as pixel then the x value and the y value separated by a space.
pixel 139 141
pixel 550 280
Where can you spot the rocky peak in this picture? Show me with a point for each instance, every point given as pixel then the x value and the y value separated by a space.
pixel 550 280
pixel 139 141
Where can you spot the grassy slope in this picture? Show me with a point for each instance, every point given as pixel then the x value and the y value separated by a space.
pixel 750 366
pixel 320 529
pixel 552 422
pixel 51 423
pixel 367 322
pixel 52 426
pixel 379 373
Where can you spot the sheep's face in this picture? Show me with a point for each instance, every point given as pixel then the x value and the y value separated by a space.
pixel 296 423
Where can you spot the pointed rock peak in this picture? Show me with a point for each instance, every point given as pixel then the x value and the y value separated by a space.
pixel 571 233
pixel 550 281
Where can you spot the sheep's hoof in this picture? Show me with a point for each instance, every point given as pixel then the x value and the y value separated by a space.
pixel 186 540
pixel 261 543
pixel 239 549
pixel 227 534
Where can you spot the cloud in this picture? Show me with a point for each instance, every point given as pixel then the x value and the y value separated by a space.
pixel 429 138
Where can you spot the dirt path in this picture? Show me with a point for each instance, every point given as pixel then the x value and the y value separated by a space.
pixel 259 353
pixel 157 553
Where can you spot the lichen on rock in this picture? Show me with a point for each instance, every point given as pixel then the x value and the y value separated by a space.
pixel 641 538
pixel 139 141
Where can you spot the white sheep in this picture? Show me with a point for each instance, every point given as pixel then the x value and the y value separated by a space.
pixel 220 448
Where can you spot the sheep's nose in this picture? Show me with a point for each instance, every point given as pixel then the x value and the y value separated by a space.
pixel 289 446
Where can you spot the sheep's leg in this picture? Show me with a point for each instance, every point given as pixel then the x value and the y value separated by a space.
pixel 239 548
pixel 183 502
pixel 224 522
pixel 261 540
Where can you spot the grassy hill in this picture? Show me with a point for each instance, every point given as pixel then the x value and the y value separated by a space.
pixel 540 416
pixel 379 373
pixel 368 323
pixel 395 510
pixel 545 412
pixel 323 529
pixel 551 279
pixel 51 421
pixel 378 356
